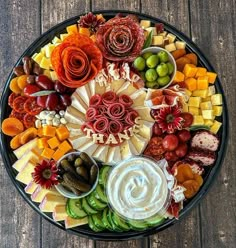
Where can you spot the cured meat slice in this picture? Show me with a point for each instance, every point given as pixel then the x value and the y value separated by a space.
pixel 115 127
pixel 130 117
pixel 109 97
pixel 91 114
pixel 101 125
pixel 116 110
pixel 95 100
pixel 125 100
pixel 120 39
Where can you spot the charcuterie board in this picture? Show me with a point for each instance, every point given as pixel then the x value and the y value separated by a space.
pixel 114 125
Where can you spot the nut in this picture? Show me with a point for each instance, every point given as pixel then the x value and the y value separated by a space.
pixel 31 79
pixel 18 70
pixel 27 64
pixel 37 69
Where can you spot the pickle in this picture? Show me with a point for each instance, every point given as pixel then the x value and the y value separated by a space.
pixel 71 180
pixel 93 174
pixel 87 160
pixel 67 167
pixel 78 162
pixel 71 157
pixel 82 172
pixel 70 188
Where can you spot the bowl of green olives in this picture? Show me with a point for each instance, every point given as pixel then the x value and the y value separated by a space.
pixel 77 174
pixel 156 66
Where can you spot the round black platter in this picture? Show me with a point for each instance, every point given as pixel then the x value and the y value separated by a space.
pixel 209 177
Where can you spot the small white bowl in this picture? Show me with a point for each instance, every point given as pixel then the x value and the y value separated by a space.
pixel 171 60
pixel 62 190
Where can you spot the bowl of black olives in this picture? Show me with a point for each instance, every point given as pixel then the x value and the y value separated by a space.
pixel 78 175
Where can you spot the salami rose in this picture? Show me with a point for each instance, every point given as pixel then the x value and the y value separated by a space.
pixel 76 61
pixel 115 127
pixel 95 100
pixel 131 116
pixel 101 125
pixel 125 100
pixel 116 111
pixel 91 114
pixel 109 97
pixel 120 39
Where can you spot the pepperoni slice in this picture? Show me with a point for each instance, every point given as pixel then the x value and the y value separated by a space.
pixel 109 97
pixel 131 116
pixel 29 120
pixel 11 98
pixel 116 111
pixel 17 115
pixel 95 100
pixel 125 100
pixel 115 127
pixel 102 109
pixel 18 104
pixel 101 125
pixel 91 114
pixel 31 106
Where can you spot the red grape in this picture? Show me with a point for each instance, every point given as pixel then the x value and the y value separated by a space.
pixel 170 142
pixel 156 129
pixel 41 101
pixel 184 135
pixel 30 89
pixel 171 156
pixel 188 119
pixel 181 150
pixel 65 100
pixel 52 101
pixel 59 87
pixel 44 82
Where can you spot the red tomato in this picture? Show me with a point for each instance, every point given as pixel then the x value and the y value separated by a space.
pixel 170 142
pixel 181 150
pixel 11 98
pixel 184 135
pixel 188 119
pixel 18 104
pixel 29 120
pixel 30 89
pixel 31 106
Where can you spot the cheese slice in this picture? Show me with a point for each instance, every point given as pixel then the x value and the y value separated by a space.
pixel 74 116
pixel 92 86
pixel 59 213
pixel 19 152
pixel 74 129
pixel 138 100
pixel 125 150
pixel 88 147
pixel 144 113
pixel 82 92
pixel 132 148
pixel 40 193
pixel 101 153
pixel 146 130
pixel 79 141
pixel 88 91
pixel 99 89
pixel 78 103
pixel 127 88
pixel 50 201
pixel 113 155
pixel 31 187
pixel 24 176
pixel 70 222
pixel 117 84
pixel 139 143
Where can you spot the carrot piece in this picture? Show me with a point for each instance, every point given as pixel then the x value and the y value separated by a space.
pixel 12 126
pixel 184 172
pixel 53 142
pixel 28 135
pixel 58 154
pixel 192 57
pixel 179 77
pixel 14 86
pixel 191 187
pixel 62 133
pixel 191 84
pixel 189 70
pixel 178 53
pixel 22 81
pixel 15 142
pixel 84 31
pixel 201 71
pixel 202 83
pixel 181 62
pixel 211 77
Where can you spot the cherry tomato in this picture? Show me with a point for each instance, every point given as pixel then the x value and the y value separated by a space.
pixel 44 82
pixel 18 104
pixel 170 142
pixel 184 135
pixel 52 101
pixel 171 156
pixel 11 98
pixel 156 130
pixel 188 119
pixel 41 101
pixel 29 120
pixel 30 89
pixel 181 150
pixel 31 106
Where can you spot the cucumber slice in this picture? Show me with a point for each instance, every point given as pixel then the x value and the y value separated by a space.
pixel 120 222
pixel 100 194
pixel 92 225
pixel 138 225
pixel 87 208
pixel 68 210
pixel 95 203
pixel 103 173
pixel 114 226
pixel 75 208
pixel 155 220
pixel 105 219
pixel 97 220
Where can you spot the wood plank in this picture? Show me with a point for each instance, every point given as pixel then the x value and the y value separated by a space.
pixel 19 24
pixel 54 12
pixel 213 29
pixel 185 233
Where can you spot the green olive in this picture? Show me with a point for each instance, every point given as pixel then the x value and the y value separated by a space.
pixel 151 75
pixel 152 84
pixel 147 55
pixel 170 68
pixel 139 63
pixel 163 81
pixel 152 61
pixel 162 70
pixel 163 56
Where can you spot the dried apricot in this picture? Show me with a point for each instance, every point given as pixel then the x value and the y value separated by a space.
pixel 181 62
pixel 15 142
pixel 178 53
pixel 184 172
pixel 191 187
pixel 22 81
pixel 14 86
pixel 192 57
pixel 198 178
pixel 12 126
pixel 28 135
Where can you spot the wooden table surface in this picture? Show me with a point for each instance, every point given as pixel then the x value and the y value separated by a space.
pixel 212 26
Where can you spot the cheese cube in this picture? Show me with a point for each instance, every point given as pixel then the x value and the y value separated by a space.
pixel 217 110
pixel 201 71
pixel 157 40
pixel 145 23
pixel 49 49
pixel 216 99
pixel 206 105
pixel 206 99
pixel 211 90
pixel 185 108
pixel 193 110
pixel 152 29
pixel 208 123
pixel 171 37
pixel 43 50
pixel 198 120
pixel 38 58
pixel 45 63
pixel 200 93
pixel 47 73
pixel 194 101
pixel 215 127
pixel 164 34
pixel 56 40
pixel 202 83
pixel 211 77
pixel 180 44
pixel 208 114
pixel 171 47
pixel 188 92
pixel 47 153
pixel 72 29
pixel 53 75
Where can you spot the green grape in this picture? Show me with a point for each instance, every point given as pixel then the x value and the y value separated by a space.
pixel 151 75
pixel 162 70
pixel 139 63
pixel 152 61
pixel 163 56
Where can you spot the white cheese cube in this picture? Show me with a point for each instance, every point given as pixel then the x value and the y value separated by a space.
pixel 208 114
pixel 157 40
pixel 171 37
pixel 180 44
pixel 145 23
pixel 171 47
pixel 216 99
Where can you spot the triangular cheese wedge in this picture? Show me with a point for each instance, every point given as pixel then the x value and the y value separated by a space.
pixel 117 84
pixel 78 103
pixel 59 213
pixel 139 143
pixel 144 113
pixel 70 222
pixel 146 130
pixel 50 201
pixel 82 92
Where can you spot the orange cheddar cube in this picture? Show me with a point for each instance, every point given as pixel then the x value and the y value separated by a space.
pixel 62 133
pixel 202 83
pixel 179 77
pixel 190 70
pixel 42 143
pixel 201 71
pixel 53 142
pixel 72 29
pixel 58 154
pixel 65 146
pixel 40 132
pixel 211 77
pixel 47 153
pixel 49 131
pixel 191 84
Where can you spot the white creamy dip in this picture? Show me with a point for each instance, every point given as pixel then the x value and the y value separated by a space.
pixel 137 188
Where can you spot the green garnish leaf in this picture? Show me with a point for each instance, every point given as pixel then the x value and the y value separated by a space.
pixel 148 41
pixel 199 127
pixel 43 93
